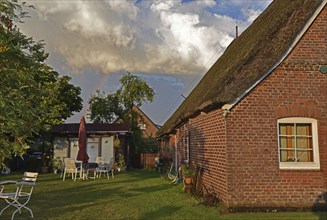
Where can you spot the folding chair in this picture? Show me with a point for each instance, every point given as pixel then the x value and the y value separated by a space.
pixel 22 194
pixel 175 178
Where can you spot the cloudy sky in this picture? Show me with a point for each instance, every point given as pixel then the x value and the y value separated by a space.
pixel 170 44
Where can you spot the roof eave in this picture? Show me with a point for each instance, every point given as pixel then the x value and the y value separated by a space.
pixel 205 107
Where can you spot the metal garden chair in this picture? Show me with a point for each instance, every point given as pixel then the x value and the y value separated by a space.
pixel 106 168
pixel 20 195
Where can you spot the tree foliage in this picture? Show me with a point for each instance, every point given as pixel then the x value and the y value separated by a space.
pixel 133 91
pixel 32 95
pixel 104 108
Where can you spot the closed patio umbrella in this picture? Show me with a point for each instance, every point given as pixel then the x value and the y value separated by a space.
pixel 82 141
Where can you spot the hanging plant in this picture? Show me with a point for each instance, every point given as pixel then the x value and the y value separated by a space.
pixel 117 143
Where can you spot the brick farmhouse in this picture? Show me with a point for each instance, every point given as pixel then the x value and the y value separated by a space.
pixel 256 124
pixel 148 127
pixel 149 132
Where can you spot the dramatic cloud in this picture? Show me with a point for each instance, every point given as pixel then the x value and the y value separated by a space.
pixel 145 36
pixel 170 43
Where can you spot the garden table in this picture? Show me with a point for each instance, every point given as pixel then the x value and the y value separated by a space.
pixel 87 167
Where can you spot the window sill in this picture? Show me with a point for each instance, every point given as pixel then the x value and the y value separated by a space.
pixel 298 166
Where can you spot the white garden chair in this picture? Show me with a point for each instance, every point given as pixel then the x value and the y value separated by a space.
pixel 71 168
pixel 106 168
pixel 20 195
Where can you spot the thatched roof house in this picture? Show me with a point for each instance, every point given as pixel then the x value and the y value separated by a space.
pixel 255 127
pixel 248 59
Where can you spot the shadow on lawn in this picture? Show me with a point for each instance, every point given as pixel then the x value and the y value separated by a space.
pixel 70 199
pixel 162 212
pixel 58 197
pixel 149 189
pixel 137 173
pixel 81 193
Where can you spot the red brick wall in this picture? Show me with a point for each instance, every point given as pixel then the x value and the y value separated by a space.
pixel 207 149
pixel 295 88
pixel 167 147
pixel 151 129
pixel 181 133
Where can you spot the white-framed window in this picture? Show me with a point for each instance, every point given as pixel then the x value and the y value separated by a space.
pixel 298 143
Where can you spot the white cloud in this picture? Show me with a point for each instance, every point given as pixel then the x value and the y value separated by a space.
pixel 124 7
pixel 171 43
pixel 190 38
pixel 250 14
pixel 206 3
pixel 158 6
pixel 86 21
pixel 149 36
pixel 52 7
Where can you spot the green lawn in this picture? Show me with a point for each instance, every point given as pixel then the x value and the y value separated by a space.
pixel 139 194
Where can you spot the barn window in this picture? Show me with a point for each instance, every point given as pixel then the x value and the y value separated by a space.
pixel 298 143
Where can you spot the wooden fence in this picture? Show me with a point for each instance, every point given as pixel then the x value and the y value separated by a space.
pixel 148 160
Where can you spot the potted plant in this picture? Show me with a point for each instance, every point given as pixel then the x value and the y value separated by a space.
pixel 188 174
pixel 121 166
pixel 45 150
pixel 57 165
pixel 117 143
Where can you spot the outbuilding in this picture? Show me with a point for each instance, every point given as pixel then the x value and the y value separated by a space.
pixel 100 140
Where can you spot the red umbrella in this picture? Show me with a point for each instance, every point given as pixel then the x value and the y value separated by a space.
pixel 82 141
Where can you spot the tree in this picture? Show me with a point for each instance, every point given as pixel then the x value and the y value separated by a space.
pixel 32 95
pixel 133 91
pixel 104 108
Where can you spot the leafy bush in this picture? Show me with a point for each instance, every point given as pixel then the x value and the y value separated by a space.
pixel 187 171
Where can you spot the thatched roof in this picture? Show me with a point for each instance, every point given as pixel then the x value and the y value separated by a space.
pixel 246 59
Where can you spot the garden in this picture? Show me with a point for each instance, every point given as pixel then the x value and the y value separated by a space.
pixel 135 194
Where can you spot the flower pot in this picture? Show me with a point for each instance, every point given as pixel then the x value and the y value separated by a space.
pixel 188 180
pixel 120 169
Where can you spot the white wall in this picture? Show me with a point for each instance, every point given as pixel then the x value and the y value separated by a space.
pixel 60 147
pixel 107 150
pixel 93 148
pixel 73 148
